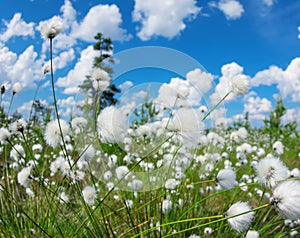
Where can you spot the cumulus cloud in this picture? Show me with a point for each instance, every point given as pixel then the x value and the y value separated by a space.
pixel 163 18
pixel 232 9
pixel 77 75
pixel 125 86
pixel 200 82
pixel 17 27
pixel 106 19
pixel 24 68
pixel 63 59
pixel 292 114
pixel 68 13
pixel 287 81
pixel 257 107
pixel 268 3
pixel 223 87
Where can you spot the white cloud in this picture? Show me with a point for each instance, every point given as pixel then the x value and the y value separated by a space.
pixel 168 93
pixel 78 74
pixel 106 19
pixel 24 68
pixel 125 86
pixel 258 108
pixel 199 79
pixel 69 13
pixel 287 81
pixel 269 3
pixel 223 87
pixel 163 18
pixel 298 32
pixel 63 59
pixel 292 114
pixel 17 27
pixel 200 83
pixel 232 9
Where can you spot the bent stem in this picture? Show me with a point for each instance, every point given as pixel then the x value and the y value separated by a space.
pixel 210 111
pixel 219 220
pixel 10 103
pixel 55 104
pixel 178 222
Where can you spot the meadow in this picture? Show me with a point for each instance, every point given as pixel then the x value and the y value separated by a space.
pixel 162 173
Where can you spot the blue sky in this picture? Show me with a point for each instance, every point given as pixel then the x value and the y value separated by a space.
pixel 258 38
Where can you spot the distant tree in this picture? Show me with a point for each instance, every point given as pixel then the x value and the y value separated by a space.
pixel 106 98
pixel 274 126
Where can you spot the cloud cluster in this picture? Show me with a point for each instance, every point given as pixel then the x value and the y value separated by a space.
pixel 27 66
pixel 257 107
pixel 167 20
pixel 232 9
pixel 287 81
pixel 106 19
pixel 189 91
pixel 23 68
pixel 17 27
pixel 78 74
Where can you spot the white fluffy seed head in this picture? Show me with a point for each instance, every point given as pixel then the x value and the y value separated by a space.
pixel 52 28
pixel 89 195
pixel 52 133
pixel 4 135
pixel 286 199
pixel 271 170
pixel 24 177
pixel 112 125
pixel 278 148
pixel 16 88
pixel 240 84
pixel 242 222
pixel 226 178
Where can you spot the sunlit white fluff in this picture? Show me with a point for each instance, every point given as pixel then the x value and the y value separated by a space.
pixel 242 222
pixel 24 177
pixel 226 178
pixel 240 84
pixel 78 124
pixel 166 206
pixel 51 28
pixel 52 133
pixel 16 88
pixel 89 195
pixel 4 135
pixel 286 199
pixel 252 234
pixel 188 126
pixel 278 148
pixel 122 172
pixel 271 170
pixel 111 125
pixel 18 125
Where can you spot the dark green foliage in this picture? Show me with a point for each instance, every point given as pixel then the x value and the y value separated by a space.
pixel 273 124
pixel 106 98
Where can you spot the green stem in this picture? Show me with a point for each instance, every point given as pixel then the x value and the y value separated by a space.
pixel 55 103
pixel 219 220
pixel 11 100
pixel 210 111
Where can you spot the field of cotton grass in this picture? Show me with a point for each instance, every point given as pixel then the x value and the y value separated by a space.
pixel 161 174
